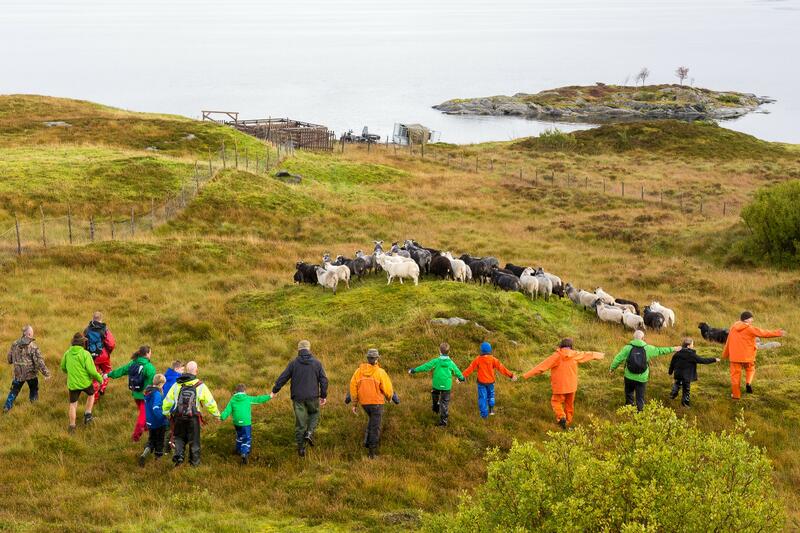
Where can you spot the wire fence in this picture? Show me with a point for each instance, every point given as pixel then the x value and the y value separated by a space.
pixel 78 227
pixel 687 201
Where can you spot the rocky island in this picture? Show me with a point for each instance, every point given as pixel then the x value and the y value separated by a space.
pixel 601 103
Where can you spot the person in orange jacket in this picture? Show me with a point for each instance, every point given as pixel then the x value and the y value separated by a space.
pixel 740 349
pixel 563 367
pixel 486 364
pixel 370 386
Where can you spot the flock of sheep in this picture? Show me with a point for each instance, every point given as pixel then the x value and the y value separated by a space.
pixel 411 260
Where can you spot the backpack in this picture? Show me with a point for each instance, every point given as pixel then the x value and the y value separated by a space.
pixel 136 377
pixel 95 343
pixel 186 403
pixel 637 360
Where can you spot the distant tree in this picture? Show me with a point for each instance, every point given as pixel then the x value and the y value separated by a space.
pixel 682 73
pixel 643 74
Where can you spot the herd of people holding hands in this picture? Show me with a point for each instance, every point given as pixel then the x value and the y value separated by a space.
pixel 170 406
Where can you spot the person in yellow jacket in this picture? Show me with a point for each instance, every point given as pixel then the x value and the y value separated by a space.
pixel 182 404
pixel 370 387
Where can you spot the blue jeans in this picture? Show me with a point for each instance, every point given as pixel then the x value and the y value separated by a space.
pixel 485 398
pixel 16 387
pixel 244 439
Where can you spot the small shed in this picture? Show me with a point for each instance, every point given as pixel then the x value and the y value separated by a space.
pixel 413 134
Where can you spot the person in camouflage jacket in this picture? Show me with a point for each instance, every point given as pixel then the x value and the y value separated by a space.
pixel 27 362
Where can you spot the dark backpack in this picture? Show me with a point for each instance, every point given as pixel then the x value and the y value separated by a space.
pixel 136 377
pixel 637 360
pixel 95 344
pixel 186 403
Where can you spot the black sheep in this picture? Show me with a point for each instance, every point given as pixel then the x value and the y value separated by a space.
pixel 357 266
pixel 652 319
pixel 517 270
pixel 480 271
pixel 627 302
pixel 308 273
pixel 719 335
pixel 506 282
pixel 441 267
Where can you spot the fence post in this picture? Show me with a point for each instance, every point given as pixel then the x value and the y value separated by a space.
pixel 153 213
pixel 422 150
pixel 91 228
pixel 701 205
pixel 236 154
pixel 661 198
pixel 19 242
pixel 210 170
pixel 69 222
pixel 44 240
pixel 604 185
pixel 623 188
pixel 224 162
pixel 369 145
pixel 133 223
pixel 642 192
pixel 246 159
pixel 724 209
pixel 112 227
pixel 476 163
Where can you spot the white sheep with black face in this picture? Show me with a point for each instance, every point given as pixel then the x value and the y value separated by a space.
pixel 573 293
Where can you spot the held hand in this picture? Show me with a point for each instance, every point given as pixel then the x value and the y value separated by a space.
pixel 355 411
pixel 410 370
pixel 514 378
pixel 105 377
pixel 783 333
pixel 322 401
pixel 47 377
pixel 677 348
pixel 717 359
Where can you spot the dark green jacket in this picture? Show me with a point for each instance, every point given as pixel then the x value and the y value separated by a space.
pixel 149 371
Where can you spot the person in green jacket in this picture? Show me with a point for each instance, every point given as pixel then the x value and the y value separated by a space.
pixel 636 382
pixel 240 406
pixel 140 372
pixel 443 369
pixel 77 364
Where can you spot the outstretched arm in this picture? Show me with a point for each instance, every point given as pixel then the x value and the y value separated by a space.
pixel 585 357
pixel 283 378
pixel 544 366
pixel 620 357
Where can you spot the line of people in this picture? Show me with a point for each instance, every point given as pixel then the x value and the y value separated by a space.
pixel 170 405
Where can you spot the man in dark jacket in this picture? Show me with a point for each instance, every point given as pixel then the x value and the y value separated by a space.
pixel 27 361
pixel 684 368
pixel 309 392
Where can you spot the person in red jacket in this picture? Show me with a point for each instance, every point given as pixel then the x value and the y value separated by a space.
pixel 486 364
pixel 740 349
pixel 563 367
pixel 100 344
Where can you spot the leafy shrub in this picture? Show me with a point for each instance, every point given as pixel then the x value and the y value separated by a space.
pixel 646 472
pixel 774 223
pixel 729 99
pixel 555 139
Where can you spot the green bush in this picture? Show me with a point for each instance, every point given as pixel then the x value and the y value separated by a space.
pixel 645 472
pixel 555 139
pixel 773 219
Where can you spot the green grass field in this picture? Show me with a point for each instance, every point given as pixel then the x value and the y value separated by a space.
pixel 214 285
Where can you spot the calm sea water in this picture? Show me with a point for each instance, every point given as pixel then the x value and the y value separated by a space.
pixel 347 64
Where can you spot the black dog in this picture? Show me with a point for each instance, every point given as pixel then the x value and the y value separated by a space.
pixel 713 334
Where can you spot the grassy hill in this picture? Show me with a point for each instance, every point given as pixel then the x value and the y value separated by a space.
pixel 214 285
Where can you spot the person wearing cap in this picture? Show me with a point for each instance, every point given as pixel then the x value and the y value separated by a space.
pixel 563 367
pixel 80 369
pixel 740 349
pixel 486 364
pixel 309 391
pixel 370 387
pixel 442 370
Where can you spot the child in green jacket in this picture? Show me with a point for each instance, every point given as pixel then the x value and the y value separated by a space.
pixel 240 406
pixel 443 369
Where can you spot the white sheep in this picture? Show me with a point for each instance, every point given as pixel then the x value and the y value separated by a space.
pixel 632 320
pixel 604 296
pixel 327 278
pixel 342 272
pixel 626 307
pixel 609 313
pixel 587 299
pixel 459 267
pixel 529 282
pixel 468 272
pixel 669 314
pixel 402 270
pixel 383 259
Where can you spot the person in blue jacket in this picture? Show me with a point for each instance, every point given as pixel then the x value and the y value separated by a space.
pixel 172 374
pixel 157 423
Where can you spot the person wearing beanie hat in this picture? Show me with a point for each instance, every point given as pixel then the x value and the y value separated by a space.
pixel 442 370
pixel 309 391
pixel 370 387
pixel 740 349
pixel 486 364
pixel 563 367
pixel 77 364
